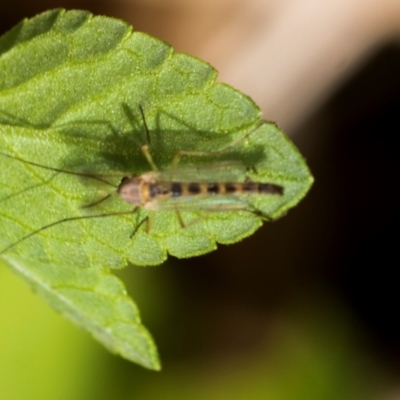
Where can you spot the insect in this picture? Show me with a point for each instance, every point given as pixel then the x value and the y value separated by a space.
pixel 204 187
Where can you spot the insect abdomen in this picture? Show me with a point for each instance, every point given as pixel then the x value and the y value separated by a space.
pixel 186 189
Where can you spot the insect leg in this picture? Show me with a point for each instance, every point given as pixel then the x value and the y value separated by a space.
pixel 145 125
pixel 149 158
pixel 66 220
pixel 150 219
pixel 95 203
pixel 145 147
pixel 96 177
pixel 180 153
pixel 180 220
pixel 145 219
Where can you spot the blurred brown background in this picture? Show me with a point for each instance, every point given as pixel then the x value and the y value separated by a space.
pixel 306 308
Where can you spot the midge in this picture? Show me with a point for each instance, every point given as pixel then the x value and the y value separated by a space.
pixel 149 190
pixel 204 187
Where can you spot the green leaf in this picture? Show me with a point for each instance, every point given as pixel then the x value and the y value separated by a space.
pixel 97 301
pixel 71 89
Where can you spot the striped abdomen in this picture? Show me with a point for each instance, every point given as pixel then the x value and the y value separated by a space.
pixel 186 189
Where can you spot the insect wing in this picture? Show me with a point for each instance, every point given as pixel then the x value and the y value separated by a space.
pixel 221 172
pixel 229 171
pixel 203 203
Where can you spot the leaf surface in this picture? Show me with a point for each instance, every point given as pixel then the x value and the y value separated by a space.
pixel 71 89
